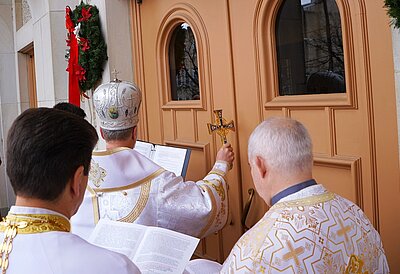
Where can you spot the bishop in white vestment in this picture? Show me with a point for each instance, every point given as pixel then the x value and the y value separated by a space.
pixel 127 186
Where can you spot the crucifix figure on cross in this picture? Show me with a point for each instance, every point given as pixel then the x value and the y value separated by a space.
pixel 115 73
pixel 221 127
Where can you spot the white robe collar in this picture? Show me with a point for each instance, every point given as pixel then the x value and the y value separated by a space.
pixel 304 193
pixel 34 210
pixel 119 167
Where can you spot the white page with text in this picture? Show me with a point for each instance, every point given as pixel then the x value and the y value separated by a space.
pixel 152 249
pixel 118 236
pixel 170 158
pixel 164 251
pixel 146 149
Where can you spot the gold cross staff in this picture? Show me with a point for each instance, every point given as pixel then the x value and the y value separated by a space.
pixel 221 126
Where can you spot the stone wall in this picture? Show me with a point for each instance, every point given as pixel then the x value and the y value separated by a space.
pixel 8 95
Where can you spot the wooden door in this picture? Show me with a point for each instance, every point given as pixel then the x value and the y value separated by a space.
pixel 184 122
pixel 354 131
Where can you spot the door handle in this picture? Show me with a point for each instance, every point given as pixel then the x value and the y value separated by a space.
pixel 247 208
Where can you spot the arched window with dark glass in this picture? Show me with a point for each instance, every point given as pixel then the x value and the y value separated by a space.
pixel 183 67
pixel 309 48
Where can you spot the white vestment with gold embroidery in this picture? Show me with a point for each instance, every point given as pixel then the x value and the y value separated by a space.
pixel 310 231
pixel 126 186
pixel 58 252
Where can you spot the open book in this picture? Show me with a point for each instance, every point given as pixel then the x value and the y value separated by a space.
pixel 173 159
pixel 152 249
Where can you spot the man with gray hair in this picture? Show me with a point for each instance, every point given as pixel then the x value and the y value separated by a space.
pixel 126 186
pixel 307 229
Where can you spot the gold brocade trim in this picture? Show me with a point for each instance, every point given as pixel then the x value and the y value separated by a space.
pixel 217 172
pixel 213 210
pixel 36 223
pixel 96 173
pixel 95 204
pixel 132 185
pixel 306 201
pixel 355 266
pixel 110 151
pixel 140 204
pixel 219 188
pixel 15 224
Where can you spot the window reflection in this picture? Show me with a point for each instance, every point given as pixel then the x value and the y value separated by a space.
pixel 184 75
pixel 310 48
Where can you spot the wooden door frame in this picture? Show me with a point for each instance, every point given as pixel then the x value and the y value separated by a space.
pixel 29 54
pixel 138 64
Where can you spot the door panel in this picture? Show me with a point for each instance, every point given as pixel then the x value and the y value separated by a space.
pixel 184 123
pixel 342 126
pixel 355 153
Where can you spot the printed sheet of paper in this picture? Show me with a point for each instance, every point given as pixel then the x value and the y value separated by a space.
pixel 144 148
pixel 170 158
pixel 152 249
pixel 118 236
pixel 164 251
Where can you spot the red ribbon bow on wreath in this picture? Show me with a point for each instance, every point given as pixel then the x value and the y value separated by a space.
pixel 87 50
pixel 74 69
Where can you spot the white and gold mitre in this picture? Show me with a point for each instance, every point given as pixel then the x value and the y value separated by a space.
pixel 117 104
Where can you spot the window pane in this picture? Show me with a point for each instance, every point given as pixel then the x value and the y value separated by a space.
pixel 310 48
pixel 183 66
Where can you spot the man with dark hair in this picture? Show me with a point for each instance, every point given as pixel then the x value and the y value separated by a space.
pixel 70 108
pixel 127 186
pixel 48 160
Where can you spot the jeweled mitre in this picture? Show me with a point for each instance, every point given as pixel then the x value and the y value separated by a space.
pixel 117 104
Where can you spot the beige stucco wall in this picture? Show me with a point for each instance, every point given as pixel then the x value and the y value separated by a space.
pixel 8 96
pixel 46 30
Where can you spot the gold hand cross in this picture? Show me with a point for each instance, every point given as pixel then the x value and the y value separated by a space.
pixel 221 126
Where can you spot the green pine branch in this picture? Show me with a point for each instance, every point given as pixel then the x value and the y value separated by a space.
pixel 94 58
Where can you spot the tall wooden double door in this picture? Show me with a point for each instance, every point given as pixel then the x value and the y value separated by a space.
pixel 194 56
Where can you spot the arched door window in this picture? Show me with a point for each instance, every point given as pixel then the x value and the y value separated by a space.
pixel 310 48
pixel 183 67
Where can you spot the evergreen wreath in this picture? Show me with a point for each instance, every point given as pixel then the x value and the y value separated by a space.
pixel 92 47
pixel 393 10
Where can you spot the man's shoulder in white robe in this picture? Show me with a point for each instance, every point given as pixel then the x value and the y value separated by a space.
pixel 311 231
pixel 61 253
pixel 126 186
